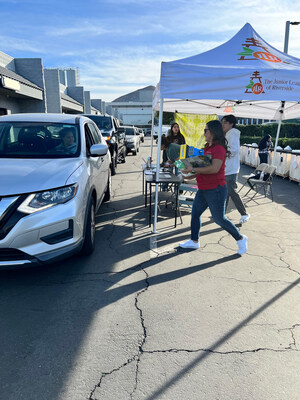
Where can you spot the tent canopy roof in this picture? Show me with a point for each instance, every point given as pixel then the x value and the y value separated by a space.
pixel 245 76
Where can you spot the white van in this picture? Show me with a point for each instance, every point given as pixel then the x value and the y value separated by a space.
pixel 164 130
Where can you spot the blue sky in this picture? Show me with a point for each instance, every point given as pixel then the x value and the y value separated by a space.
pixel 118 45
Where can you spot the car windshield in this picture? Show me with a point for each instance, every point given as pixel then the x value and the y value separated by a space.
pixel 103 123
pixel 38 140
pixel 129 131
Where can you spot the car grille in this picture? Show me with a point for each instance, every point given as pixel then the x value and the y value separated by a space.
pixel 14 255
pixel 9 215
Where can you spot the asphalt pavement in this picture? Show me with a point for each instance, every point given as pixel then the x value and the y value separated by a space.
pixel 143 319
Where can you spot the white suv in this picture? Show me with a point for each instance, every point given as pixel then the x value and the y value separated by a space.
pixel 54 174
pixel 132 139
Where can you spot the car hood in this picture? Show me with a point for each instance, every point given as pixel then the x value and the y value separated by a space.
pixel 31 175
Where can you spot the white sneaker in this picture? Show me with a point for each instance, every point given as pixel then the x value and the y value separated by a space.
pixel 189 245
pixel 244 218
pixel 242 245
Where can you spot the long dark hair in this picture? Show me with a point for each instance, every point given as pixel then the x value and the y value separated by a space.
pixel 215 128
pixel 263 143
pixel 179 138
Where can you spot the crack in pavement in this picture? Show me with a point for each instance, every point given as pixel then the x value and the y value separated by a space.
pixel 294 344
pixel 144 330
pixel 137 356
pixel 219 352
pixel 104 374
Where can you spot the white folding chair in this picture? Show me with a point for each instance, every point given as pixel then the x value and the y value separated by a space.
pixel 263 184
pixel 260 168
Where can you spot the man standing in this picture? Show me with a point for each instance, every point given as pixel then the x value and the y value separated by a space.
pixel 232 165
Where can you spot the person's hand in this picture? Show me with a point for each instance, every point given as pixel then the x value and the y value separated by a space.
pixel 184 171
pixel 187 170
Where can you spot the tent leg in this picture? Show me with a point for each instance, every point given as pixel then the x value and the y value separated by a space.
pixel 152 130
pixel 277 134
pixel 157 165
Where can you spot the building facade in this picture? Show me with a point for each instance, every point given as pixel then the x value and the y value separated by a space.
pixel 134 108
pixel 27 87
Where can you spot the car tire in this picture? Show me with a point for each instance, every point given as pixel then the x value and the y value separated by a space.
pixel 90 229
pixel 113 165
pixel 107 194
pixel 124 157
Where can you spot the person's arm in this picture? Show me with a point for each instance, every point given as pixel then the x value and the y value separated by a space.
pixel 211 169
pixel 233 143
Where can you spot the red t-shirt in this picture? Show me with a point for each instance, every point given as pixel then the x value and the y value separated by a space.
pixel 211 181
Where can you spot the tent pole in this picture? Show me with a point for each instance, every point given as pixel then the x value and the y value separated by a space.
pixel 278 133
pixel 152 130
pixel 157 164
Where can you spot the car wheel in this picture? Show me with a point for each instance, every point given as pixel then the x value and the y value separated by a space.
pixel 113 165
pixel 107 194
pixel 90 229
pixel 124 157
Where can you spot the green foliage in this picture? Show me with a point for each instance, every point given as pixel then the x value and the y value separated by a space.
pixel 168 118
pixel 294 143
pixel 249 130
pixel 288 130
pixel 249 139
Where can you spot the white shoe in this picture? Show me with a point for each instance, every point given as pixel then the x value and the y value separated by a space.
pixel 242 245
pixel 189 245
pixel 244 218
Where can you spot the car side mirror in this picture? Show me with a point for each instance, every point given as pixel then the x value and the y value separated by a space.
pixel 98 150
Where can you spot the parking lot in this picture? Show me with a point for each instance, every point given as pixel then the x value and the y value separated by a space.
pixel 142 319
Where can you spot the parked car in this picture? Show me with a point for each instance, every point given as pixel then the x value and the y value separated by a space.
pixel 108 126
pixel 164 130
pixel 132 139
pixel 54 175
pixel 141 134
pixel 148 132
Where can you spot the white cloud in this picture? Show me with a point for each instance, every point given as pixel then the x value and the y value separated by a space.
pixel 9 43
pixel 81 28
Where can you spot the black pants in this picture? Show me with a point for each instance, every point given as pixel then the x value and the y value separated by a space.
pixel 231 187
pixel 263 158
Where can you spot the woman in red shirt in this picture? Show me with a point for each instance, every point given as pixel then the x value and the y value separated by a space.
pixel 212 189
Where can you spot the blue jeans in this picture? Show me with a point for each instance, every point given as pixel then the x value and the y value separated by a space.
pixel 215 199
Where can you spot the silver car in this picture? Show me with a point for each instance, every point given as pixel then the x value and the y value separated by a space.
pixel 54 175
pixel 132 139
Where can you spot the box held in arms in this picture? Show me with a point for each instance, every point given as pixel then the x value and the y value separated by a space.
pixel 194 162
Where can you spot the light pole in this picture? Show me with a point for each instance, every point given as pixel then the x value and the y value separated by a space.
pixel 287 34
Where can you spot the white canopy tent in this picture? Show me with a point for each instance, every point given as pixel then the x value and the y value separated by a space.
pixel 245 77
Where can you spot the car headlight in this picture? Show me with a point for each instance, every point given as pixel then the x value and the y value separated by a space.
pixel 49 198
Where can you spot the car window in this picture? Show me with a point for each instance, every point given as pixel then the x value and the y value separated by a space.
pixel 129 131
pixel 88 138
pixel 94 132
pixel 115 124
pixel 103 122
pixel 38 140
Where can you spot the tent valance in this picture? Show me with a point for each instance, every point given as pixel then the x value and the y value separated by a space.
pixel 245 76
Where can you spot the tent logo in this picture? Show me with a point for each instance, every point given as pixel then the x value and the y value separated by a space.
pixel 255 87
pixel 250 54
pixel 229 107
